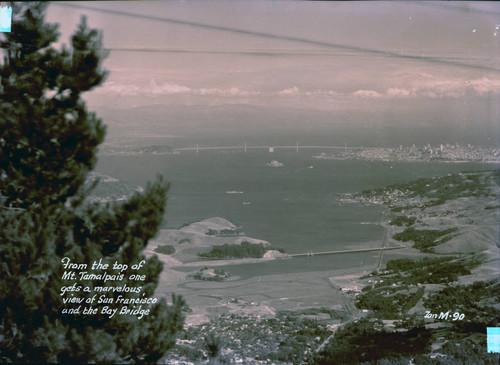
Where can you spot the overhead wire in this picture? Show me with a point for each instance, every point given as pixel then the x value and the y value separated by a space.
pixel 337 46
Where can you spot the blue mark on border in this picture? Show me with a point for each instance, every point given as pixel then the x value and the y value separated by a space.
pixel 493 339
pixel 5 18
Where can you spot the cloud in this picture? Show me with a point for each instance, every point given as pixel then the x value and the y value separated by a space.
pixel 367 94
pixel 234 91
pixel 291 91
pixel 168 88
pixel 485 85
pixel 435 88
pixel 441 89
pixel 322 93
pixel 455 88
pixel 119 89
pixel 395 92
pixel 409 87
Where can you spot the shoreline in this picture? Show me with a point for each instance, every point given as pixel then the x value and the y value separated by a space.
pixel 309 287
pixel 264 295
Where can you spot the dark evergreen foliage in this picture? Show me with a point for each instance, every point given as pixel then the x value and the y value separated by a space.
pixel 478 300
pixel 48 144
pixel 48 137
pixel 365 342
pixel 425 239
pixel 402 221
pixel 244 250
pixel 165 249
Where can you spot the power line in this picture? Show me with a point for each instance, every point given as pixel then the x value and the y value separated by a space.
pixel 457 7
pixel 363 50
pixel 270 53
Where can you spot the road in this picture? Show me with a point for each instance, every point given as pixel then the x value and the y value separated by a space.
pixel 354 312
pixel 384 241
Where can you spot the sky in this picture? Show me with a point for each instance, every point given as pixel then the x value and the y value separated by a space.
pixel 321 56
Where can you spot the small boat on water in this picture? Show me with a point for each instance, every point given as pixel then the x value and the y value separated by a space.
pixel 234 192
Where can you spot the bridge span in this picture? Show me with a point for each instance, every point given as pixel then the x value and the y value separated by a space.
pixel 270 148
pixel 310 253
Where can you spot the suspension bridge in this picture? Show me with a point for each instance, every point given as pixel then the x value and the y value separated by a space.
pixel 271 148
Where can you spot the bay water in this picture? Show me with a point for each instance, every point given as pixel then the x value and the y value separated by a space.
pixel 287 198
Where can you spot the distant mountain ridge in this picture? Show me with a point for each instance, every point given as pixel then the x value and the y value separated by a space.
pixel 276 125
